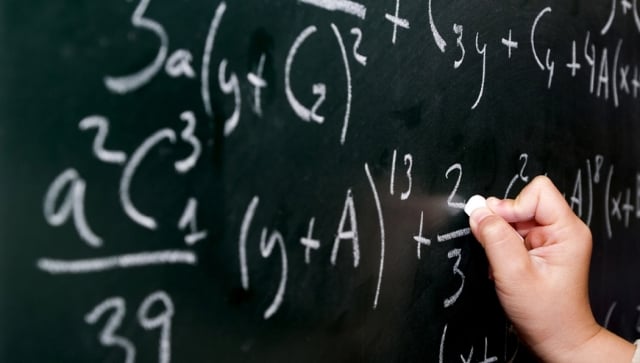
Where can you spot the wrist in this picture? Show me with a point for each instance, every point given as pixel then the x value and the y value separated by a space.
pixel 601 346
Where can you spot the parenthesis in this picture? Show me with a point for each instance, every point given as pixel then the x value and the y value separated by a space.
pixel 607 318
pixel 616 58
pixel 589 177
pixel 128 173
pixel 206 57
pixel 242 241
pixel 382 234
pixel 533 33
pixel 636 19
pixel 606 203
pixel 347 112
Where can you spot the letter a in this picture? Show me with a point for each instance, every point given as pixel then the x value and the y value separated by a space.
pixel 349 234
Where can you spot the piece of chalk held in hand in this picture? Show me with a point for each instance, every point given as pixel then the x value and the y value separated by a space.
pixel 475 202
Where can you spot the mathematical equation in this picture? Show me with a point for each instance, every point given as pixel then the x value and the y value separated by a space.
pixel 64 200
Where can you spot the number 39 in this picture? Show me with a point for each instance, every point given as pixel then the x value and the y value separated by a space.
pixel 108 337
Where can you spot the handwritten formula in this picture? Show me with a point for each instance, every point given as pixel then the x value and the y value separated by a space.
pixel 306 164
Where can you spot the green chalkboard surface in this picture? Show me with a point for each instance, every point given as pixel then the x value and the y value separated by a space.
pixel 283 181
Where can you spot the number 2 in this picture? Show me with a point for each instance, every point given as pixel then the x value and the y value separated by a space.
pixel 450 201
pixel 520 175
pixel 102 125
pixel 356 46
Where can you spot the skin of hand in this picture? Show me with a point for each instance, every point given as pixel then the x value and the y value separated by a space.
pixel 539 253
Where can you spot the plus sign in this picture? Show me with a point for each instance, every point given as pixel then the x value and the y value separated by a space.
pixel 419 239
pixel 510 44
pixel 309 243
pixel 574 65
pixel 397 22
pixel 491 359
pixel 258 82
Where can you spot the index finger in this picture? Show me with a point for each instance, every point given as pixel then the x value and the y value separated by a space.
pixel 539 201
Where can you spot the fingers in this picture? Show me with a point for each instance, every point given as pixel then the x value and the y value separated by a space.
pixel 503 245
pixel 540 201
pixel 540 214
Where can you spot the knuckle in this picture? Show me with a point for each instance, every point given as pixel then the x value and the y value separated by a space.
pixel 583 232
pixel 492 227
pixel 542 181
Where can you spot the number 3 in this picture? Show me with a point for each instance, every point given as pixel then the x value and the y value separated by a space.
pixel 456 271
pixel 187 135
pixel 131 82
pixel 107 337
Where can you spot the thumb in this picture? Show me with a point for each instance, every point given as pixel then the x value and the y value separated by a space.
pixel 503 245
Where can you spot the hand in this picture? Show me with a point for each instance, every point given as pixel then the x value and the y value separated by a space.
pixel 539 252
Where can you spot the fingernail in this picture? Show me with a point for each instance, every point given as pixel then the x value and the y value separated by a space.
pixel 478 215
pixel 493 202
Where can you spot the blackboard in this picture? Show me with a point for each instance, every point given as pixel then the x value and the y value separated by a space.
pixel 261 181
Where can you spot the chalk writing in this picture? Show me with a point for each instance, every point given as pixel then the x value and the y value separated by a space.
pixel 440 42
pixel 509 43
pixel 420 240
pixel 313 244
pixel 345 6
pixel 102 124
pixel 356 46
pixel 318 88
pixel 179 64
pixel 129 171
pixel 206 56
pixel 376 198
pixel 188 219
pixel 182 166
pixel 458 205
pixel 108 337
pixel 397 22
pixel 482 52
pixel 458 29
pixel 100 264
pixel 258 82
pixel 229 86
pixel 73 203
pixel 347 112
pixel 131 82
pixel 251 80
pixel 457 254
pixel 350 234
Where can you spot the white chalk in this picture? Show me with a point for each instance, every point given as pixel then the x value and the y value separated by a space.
pixel 475 202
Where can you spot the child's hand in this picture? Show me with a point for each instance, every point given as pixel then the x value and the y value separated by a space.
pixel 542 281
